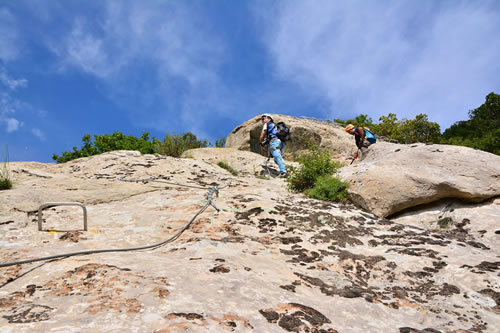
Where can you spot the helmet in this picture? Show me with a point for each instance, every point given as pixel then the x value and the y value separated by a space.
pixel 267 115
pixel 349 127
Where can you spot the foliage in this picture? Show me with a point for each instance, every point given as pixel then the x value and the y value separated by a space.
pixel 388 126
pixel 5 181
pixel 221 143
pixel 225 165
pixel 329 188
pixel 481 131
pixel 313 164
pixel 104 143
pixel 175 145
pixel 360 121
pixel 172 145
pixel 419 129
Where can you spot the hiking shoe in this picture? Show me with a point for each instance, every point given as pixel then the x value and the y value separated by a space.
pixel 283 175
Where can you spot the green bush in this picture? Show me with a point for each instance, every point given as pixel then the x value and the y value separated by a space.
pixel 104 143
pixel 225 165
pixel 5 183
pixel 329 188
pixel 175 145
pixel 313 164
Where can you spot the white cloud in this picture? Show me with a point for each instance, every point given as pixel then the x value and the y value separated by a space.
pixel 158 33
pixel 11 83
pixel 376 57
pixel 10 105
pixel 171 41
pixel 13 124
pixel 86 51
pixel 9 36
pixel 38 133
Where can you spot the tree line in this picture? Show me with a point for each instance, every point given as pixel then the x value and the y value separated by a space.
pixel 172 145
pixel 480 131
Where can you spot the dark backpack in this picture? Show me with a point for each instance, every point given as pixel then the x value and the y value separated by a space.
pixel 283 132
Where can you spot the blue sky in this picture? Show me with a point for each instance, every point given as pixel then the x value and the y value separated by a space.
pixel 71 67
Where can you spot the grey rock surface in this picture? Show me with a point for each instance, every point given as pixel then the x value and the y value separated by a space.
pixel 268 261
pixel 243 162
pixel 391 177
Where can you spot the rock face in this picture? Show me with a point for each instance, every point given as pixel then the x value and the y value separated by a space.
pixel 392 177
pixel 268 261
pixel 245 163
pixel 304 132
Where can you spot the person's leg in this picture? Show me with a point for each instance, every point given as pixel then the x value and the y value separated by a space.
pixel 282 148
pixel 275 151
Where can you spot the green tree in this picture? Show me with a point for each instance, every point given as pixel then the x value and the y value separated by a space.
pixel 388 127
pixel 408 131
pixel 221 143
pixel 419 129
pixel 340 121
pixel 104 143
pixel 360 121
pixel 481 131
pixel 175 145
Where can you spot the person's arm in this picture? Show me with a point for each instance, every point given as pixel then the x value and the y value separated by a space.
pixel 361 138
pixel 261 139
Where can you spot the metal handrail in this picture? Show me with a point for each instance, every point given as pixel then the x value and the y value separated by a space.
pixel 52 204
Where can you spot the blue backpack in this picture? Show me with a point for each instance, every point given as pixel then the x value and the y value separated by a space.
pixel 370 136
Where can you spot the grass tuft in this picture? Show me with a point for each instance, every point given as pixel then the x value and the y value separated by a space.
pixel 225 165
pixel 5 181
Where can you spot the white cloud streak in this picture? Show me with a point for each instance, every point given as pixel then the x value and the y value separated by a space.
pixel 11 83
pixel 9 105
pixel 166 38
pixel 9 36
pixel 13 124
pixel 38 133
pixel 377 57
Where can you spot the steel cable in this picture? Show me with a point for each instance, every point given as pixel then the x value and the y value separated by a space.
pixel 212 190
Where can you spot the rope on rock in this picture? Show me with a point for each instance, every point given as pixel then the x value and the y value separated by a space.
pixel 212 190
pixel 160 179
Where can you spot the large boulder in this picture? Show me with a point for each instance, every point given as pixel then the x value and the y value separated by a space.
pixel 304 132
pixel 266 261
pixel 392 177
